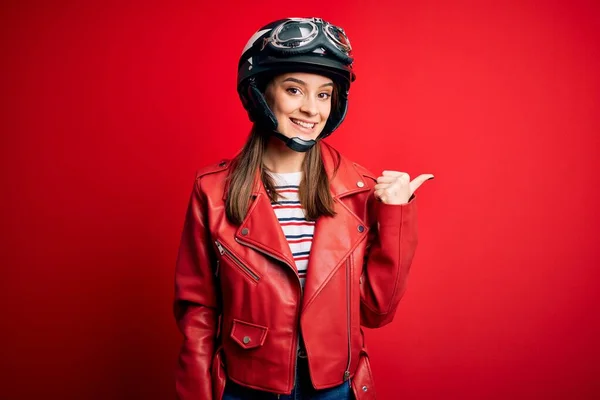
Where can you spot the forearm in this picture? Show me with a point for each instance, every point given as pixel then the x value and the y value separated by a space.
pixel 392 247
pixel 193 371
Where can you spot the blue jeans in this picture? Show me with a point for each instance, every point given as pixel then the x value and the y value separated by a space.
pixel 303 389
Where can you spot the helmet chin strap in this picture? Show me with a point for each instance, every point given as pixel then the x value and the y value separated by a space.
pixel 295 143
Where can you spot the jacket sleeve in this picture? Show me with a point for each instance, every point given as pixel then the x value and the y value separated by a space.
pixel 391 246
pixel 196 306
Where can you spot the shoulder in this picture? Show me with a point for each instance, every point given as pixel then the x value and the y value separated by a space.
pixel 346 163
pixel 215 168
pixel 364 171
pixel 210 179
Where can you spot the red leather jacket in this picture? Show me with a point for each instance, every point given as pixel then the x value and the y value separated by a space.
pixel 238 299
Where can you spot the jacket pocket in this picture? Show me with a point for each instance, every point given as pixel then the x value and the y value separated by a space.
pixel 362 381
pixel 248 272
pixel 248 335
pixel 218 375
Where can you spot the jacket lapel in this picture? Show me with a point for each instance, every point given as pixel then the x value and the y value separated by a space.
pixel 261 229
pixel 335 237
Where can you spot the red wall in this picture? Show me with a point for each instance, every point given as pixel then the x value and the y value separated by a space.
pixel 107 110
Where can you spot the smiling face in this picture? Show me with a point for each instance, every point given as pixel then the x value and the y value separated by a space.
pixel 301 103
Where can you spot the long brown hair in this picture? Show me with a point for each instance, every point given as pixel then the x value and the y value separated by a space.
pixel 314 194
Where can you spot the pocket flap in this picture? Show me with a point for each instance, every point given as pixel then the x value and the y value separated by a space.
pixel 248 335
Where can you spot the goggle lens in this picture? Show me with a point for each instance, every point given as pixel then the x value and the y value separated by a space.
pixel 339 37
pixel 293 33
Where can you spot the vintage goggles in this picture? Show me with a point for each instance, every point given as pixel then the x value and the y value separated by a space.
pixel 304 35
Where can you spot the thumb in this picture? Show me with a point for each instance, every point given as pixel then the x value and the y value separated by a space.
pixel 418 181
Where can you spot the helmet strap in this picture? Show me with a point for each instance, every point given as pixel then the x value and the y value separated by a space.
pixel 295 143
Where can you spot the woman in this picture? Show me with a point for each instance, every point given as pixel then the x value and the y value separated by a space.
pixel 289 248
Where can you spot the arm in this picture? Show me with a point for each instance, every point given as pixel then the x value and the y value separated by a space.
pixel 196 306
pixel 391 246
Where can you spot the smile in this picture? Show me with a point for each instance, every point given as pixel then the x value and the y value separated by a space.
pixel 303 124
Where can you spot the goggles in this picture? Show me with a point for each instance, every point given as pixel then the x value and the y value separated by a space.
pixel 304 35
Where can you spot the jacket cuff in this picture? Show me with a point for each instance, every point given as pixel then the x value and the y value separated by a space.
pixel 391 214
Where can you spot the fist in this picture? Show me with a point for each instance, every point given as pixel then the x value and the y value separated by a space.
pixel 395 187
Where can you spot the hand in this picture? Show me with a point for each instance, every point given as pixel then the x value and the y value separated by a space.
pixel 395 187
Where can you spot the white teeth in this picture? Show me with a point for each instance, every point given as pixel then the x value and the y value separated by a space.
pixel 303 124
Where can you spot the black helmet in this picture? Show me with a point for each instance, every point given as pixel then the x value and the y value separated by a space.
pixel 294 45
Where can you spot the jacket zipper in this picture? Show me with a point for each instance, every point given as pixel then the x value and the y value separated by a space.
pixel 245 269
pixel 295 339
pixel 348 309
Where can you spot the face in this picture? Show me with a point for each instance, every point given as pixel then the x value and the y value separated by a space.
pixel 301 103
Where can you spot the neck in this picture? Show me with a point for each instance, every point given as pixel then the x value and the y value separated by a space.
pixel 281 159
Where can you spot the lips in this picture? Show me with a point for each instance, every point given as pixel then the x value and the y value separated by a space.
pixel 303 126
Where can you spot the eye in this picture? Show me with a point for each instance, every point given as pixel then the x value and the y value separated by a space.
pixel 293 90
pixel 324 95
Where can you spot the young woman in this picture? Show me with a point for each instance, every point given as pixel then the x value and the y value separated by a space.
pixel 289 248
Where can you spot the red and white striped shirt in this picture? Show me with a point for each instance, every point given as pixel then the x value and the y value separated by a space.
pixel 296 228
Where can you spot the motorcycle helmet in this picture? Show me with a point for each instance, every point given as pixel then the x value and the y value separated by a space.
pixel 294 45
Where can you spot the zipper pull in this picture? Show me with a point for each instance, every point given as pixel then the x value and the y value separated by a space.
pixel 346 375
pixel 221 249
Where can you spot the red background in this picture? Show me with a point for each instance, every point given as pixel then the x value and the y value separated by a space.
pixel 107 111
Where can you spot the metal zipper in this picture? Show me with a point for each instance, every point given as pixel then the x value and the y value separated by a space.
pixel 295 343
pixel 348 287
pixel 245 269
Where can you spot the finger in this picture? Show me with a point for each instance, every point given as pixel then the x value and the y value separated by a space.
pixel 392 173
pixel 381 186
pixel 418 181
pixel 387 179
pixel 380 196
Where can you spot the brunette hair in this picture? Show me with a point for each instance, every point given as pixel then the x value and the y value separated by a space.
pixel 314 193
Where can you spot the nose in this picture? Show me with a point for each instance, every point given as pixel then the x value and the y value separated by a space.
pixel 309 106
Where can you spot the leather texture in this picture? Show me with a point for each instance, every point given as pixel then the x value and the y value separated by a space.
pixel 238 300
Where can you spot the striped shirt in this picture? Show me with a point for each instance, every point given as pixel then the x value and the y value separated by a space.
pixel 296 228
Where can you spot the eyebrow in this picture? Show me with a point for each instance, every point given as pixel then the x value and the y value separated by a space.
pixel 304 83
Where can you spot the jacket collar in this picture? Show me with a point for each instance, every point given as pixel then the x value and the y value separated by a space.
pixel 345 181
